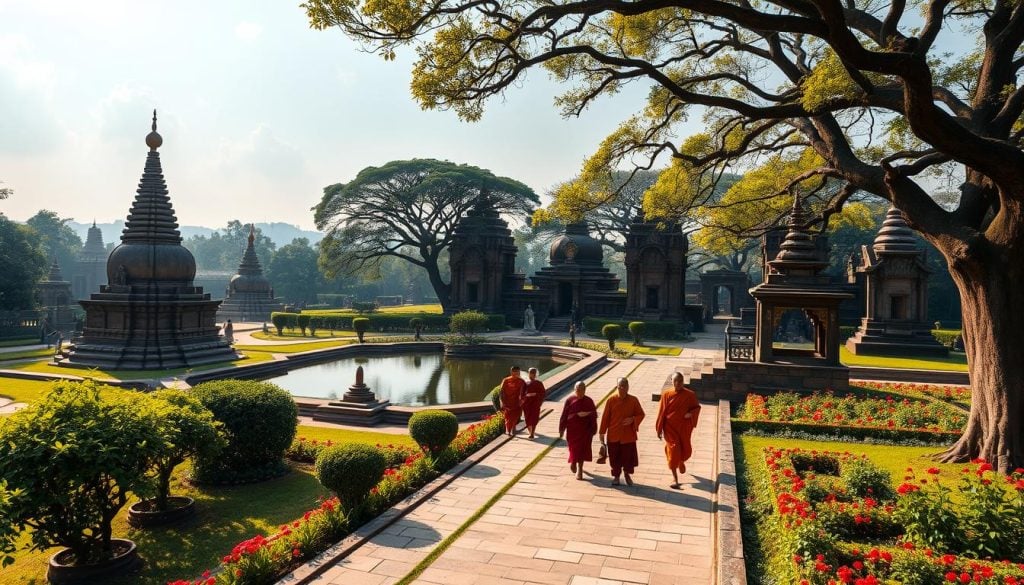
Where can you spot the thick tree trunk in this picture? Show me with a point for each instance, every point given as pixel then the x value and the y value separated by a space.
pixel 441 288
pixel 992 292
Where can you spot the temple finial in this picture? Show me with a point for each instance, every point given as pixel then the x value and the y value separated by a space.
pixel 154 140
pixel 252 233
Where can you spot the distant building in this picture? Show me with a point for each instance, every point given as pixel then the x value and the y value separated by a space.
pixel 249 295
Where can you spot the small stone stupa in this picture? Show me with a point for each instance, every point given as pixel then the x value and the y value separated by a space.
pixel 90 271
pixel 895 280
pixel 55 298
pixel 150 315
pixel 249 296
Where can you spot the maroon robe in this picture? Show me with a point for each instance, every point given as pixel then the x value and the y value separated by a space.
pixel 531 404
pixel 579 431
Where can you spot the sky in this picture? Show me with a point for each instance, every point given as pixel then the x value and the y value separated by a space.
pixel 258 112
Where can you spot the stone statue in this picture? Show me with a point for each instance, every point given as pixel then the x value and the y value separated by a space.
pixel 528 323
pixel 121 278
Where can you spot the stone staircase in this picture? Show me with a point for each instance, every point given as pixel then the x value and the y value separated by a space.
pixel 697 373
pixel 557 325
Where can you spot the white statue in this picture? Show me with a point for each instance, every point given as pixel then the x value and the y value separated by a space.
pixel 528 322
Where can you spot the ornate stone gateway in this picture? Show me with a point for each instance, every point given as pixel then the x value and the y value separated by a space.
pixel 894 276
pixel 150 315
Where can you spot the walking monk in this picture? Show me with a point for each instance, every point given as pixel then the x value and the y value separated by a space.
pixel 579 422
pixel 511 391
pixel 620 421
pixel 677 417
pixel 532 398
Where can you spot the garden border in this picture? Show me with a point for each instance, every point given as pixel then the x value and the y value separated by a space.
pixel 732 568
pixel 319 564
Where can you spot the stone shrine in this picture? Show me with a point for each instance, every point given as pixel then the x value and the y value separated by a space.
pixel 894 277
pixel 150 315
pixel 249 296
pixel 655 271
pixel 482 259
pixel 90 271
pixel 55 300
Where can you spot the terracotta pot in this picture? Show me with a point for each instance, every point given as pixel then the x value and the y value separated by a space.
pixel 125 561
pixel 142 515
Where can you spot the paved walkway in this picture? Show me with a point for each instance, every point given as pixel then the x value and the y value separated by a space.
pixel 550 528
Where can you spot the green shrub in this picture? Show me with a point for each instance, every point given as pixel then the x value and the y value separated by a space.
pixel 946 336
pixel 653 330
pixel 495 397
pixel 302 320
pixel 364 306
pixel 396 322
pixel 71 460
pixel 415 322
pixel 361 325
pixel 638 330
pixel 468 323
pixel 350 471
pixel 284 321
pixel 611 332
pixel 189 430
pixel 846 332
pixel 433 430
pixel 259 420
pixel 865 479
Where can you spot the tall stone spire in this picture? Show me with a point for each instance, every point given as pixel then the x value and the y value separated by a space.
pixel 895 235
pixel 94 248
pixel 55 275
pixel 250 265
pixel 151 219
pixel 798 244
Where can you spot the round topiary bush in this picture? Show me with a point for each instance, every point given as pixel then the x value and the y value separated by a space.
pixel 611 332
pixel 638 329
pixel 260 420
pixel 350 471
pixel 361 325
pixel 433 430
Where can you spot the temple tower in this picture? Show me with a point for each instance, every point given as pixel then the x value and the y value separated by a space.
pixel 655 271
pixel 150 315
pixel 483 260
pixel 91 267
pixel 895 281
pixel 249 295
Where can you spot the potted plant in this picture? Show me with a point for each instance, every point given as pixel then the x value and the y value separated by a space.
pixel 189 430
pixel 75 457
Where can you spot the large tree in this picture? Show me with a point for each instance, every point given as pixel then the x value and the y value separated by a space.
pixel 59 240
pixel 22 265
pixel 407 209
pixel 294 273
pixel 223 249
pixel 855 93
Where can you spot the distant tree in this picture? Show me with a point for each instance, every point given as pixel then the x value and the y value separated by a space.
pixel 5 192
pixel 57 238
pixel 222 250
pixel 407 209
pixel 293 272
pixel 22 265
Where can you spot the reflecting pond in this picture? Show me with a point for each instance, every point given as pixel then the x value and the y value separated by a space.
pixel 414 379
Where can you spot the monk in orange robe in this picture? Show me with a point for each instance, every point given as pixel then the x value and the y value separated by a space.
pixel 677 417
pixel 620 422
pixel 531 400
pixel 511 391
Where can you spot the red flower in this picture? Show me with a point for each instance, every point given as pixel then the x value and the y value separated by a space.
pixel 933 470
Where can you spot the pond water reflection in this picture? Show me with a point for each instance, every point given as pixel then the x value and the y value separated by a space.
pixel 416 379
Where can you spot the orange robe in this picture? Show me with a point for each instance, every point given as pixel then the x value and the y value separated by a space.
pixel 511 390
pixel 621 438
pixel 675 427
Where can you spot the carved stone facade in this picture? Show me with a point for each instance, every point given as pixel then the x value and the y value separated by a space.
pixel 90 270
pixel 483 260
pixel 655 272
pixel 894 276
pixel 150 315
pixel 55 300
pixel 735 282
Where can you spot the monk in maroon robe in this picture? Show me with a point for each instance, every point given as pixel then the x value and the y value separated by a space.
pixel 531 399
pixel 677 417
pixel 510 393
pixel 579 425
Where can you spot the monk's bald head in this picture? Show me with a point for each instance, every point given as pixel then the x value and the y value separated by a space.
pixel 622 385
pixel 678 380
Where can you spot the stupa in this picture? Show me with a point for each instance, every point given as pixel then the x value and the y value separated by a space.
pixel 249 296
pixel 55 298
pixel 90 270
pixel 150 315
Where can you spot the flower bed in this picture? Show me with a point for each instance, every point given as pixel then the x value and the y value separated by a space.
pixel 835 518
pixel 960 395
pixel 263 559
pixel 859 417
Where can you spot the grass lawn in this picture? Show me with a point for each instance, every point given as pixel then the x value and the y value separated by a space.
pixel 22 390
pixel 28 353
pixel 249 350
pixel 43 366
pixel 648 349
pixel 294 334
pixel 225 516
pixel 399 310
pixel 956 362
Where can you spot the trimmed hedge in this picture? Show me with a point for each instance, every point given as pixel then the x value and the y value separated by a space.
pixel 433 430
pixel 946 336
pixel 653 330
pixel 394 322
pixel 866 434
pixel 351 471
pixel 260 420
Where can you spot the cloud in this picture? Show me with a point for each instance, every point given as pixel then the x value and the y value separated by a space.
pixel 27 87
pixel 262 153
pixel 248 31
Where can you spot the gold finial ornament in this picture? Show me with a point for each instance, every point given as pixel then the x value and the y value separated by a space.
pixel 154 140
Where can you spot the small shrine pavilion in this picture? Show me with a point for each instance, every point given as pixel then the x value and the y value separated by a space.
pixel 249 296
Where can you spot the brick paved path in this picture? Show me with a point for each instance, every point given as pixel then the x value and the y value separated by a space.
pixel 550 528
